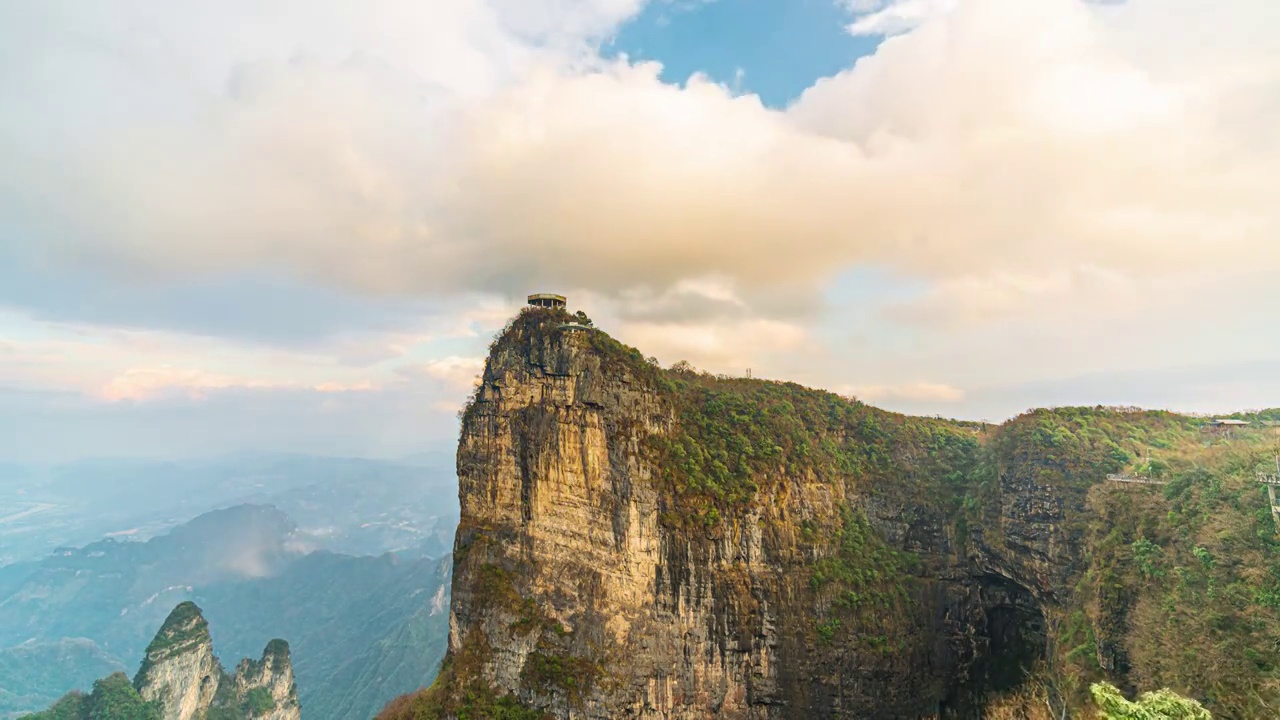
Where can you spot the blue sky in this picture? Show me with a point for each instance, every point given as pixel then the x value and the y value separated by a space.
pixel 246 226
pixel 771 48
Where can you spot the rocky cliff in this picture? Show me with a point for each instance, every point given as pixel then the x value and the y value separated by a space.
pixel 265 686
pixel 180 671
pixel 646 543
pixel 181 679
pixel 184 678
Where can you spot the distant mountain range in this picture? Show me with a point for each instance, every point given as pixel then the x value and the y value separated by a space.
pixel 363 628
pixel 349 505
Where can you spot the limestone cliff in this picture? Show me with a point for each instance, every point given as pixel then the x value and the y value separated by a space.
pixel 265 687
pixel 184 678
pixel 653 544
pixel 180 671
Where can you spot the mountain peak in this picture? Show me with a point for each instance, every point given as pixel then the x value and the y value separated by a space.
pixel 265 688
pixel 184 626
pixel 179 670
pixel 181 674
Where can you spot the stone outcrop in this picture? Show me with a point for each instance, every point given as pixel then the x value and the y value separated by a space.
pixel 583 589
pixel 181 674
pixel 180 671
pixel 273 673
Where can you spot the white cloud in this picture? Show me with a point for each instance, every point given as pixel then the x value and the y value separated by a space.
pixel 1041 168
pixel 916 391
pixel 145 383
pixel 724 346
pixel 977 299
pixel 892 17
pixel 1000 136
pixel 457 372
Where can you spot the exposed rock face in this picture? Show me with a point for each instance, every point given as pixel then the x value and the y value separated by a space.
pixel 181 673
pixel 582 590
pixel 274 674
pixel 180 670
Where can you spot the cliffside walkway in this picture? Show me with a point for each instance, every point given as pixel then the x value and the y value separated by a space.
pixel 1134 479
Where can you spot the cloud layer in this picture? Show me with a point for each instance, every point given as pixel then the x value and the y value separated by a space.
pixel 435 148
pixel 1041 175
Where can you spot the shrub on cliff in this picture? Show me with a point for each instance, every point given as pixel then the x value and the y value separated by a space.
pixel 1158 705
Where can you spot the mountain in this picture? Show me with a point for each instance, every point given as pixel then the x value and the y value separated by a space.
pixel 35 674
pixel 181 679
pixel 350 505
pixel 363 628
pixel 663 544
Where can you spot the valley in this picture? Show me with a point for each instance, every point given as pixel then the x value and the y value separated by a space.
pixel 363 628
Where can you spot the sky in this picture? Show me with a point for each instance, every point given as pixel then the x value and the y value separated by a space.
pixel 295 225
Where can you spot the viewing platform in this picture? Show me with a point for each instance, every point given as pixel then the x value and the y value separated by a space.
pixel 548 300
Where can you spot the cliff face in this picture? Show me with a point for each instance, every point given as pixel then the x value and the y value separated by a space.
pixel 267 686
pixel 180 671
pixel 184 678
pixel 619 558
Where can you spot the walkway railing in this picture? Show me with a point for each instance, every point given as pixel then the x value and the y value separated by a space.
pixel 1134 479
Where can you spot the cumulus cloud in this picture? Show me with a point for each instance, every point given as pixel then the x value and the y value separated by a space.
pixel 1018 161
pixel 466 150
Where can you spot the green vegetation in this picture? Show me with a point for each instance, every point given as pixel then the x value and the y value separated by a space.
pixel 1081 445
pixel 227 705
pixel 258 701
pixel 1158 705
pixel 864 575
pixel 72 706
pixel 278 651
pixel 547 670
pixel 113 698
pixel 735 436
pixel 1185 578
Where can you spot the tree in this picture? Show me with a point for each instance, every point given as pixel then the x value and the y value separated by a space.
pixel 113 698
pixel 1159 705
